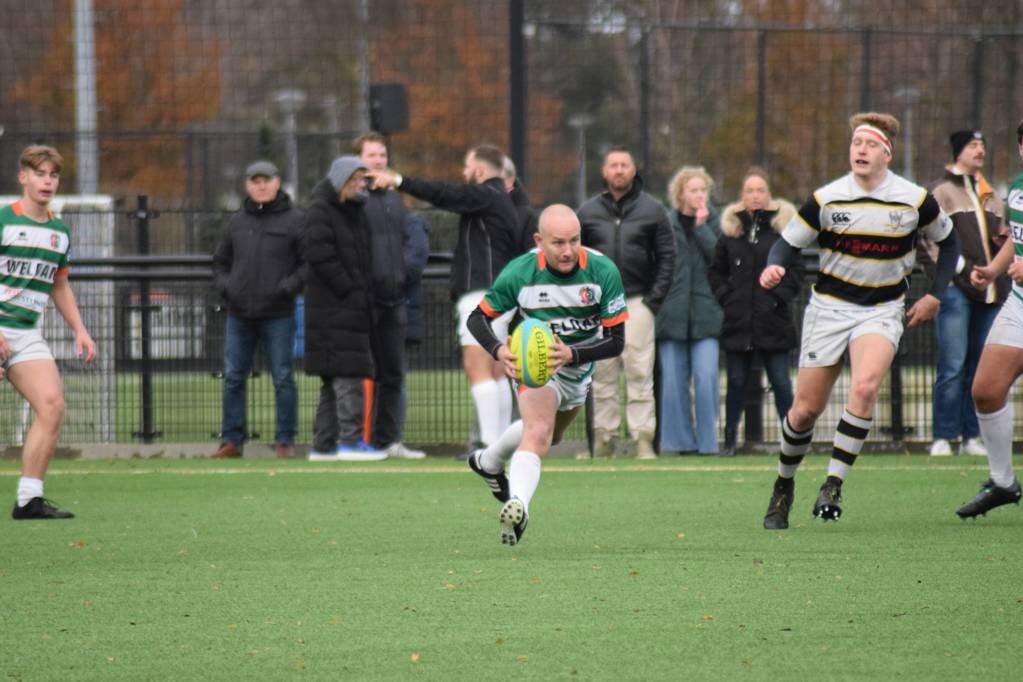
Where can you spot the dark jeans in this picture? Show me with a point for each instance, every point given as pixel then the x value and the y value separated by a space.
pixel 737 365
pixel 240 339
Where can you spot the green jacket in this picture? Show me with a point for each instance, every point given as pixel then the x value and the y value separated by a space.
pixel 690 311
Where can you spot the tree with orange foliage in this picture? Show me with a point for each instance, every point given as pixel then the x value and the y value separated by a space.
pixel 153 76
pixel 453 62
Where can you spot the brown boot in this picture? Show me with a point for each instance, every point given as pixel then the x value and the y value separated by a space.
pixel 603 444
pixel 228 451
pixel 645 448
pixel 283 451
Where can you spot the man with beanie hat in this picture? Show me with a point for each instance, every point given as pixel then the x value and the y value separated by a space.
pixel 338 329
pixel 1000 365
pixel 259 272
pixel 967 311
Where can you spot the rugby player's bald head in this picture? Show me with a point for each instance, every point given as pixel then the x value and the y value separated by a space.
pixel 557 216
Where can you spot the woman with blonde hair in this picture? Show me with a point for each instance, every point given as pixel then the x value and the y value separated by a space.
pixel 689 322
pixel 757 320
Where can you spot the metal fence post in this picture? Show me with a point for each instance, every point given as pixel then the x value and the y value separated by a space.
pixel 142 216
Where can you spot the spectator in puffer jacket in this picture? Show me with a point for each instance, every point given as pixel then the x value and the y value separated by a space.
pixel 757 320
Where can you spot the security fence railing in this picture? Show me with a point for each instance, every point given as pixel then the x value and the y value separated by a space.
pixel 159 326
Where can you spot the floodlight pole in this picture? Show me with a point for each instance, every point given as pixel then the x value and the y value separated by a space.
pixel 291 101
pixel 86 144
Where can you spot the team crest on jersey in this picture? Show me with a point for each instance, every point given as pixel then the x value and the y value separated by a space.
pixel 895 219
pixel 54 241
pixel 587 296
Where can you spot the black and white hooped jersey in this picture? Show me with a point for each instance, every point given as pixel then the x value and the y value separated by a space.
pixel 867 240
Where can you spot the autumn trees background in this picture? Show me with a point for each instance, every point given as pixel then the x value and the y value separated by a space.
pixel 186 88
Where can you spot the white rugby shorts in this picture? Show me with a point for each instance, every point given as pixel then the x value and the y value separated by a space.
pixel 1007 329
pixel 571 384
pixel 464 307
pixel 829 325
pixel 25 344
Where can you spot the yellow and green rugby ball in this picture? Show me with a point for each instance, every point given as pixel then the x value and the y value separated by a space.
pixel 531 342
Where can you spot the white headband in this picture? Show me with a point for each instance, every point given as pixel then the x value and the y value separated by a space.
pixel 877 133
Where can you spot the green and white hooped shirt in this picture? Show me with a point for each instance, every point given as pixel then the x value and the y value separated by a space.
pixel 577 306
pixel 1015 214
pixel 32 254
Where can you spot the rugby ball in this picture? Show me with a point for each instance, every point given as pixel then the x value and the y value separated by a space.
pixel 531 343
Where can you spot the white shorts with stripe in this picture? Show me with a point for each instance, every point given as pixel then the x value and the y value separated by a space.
pixel 830 324
pixel 571 384
pixel 25 344
pixel 1007 329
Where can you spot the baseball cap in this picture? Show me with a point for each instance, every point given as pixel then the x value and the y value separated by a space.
pixel 261 167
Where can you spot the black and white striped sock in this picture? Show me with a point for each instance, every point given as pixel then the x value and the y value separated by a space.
pixel 850 434
pixel 794 445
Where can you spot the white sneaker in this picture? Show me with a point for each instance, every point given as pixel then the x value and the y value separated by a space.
pixel 401 451
pixel 973 446
pixel 360 452
pixel 315 456
pixel 941 448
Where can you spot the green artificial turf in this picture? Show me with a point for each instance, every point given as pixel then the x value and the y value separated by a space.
pixel 277 570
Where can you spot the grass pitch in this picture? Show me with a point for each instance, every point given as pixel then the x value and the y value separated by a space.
pixel 629 570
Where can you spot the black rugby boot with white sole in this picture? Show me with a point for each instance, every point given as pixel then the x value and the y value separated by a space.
pixel 513 518
pixel 828 505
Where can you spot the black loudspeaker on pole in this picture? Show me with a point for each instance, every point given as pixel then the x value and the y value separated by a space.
pixel 388 108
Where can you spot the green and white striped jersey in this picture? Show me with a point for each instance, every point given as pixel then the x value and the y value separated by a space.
pixel 1015 215
pixel 31 256
pixel 576 306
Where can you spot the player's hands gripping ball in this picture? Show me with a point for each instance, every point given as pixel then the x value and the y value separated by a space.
pixel 532 343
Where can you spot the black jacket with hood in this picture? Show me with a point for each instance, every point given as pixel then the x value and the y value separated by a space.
pixel 755 318
pixel 338 336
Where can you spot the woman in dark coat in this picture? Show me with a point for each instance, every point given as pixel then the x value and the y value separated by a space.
pixel 338 340
pixel 756 319
pixel 689 322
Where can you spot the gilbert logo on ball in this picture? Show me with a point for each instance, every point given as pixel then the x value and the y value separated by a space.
pixel 531 343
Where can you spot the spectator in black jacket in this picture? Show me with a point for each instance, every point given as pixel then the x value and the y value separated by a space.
pixel 756 320
pixel 258 269
pixel 391 229
pixel 632 228
pixel 488 237
pixel 339 343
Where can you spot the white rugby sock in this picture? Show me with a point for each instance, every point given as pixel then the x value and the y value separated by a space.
pixel 494 456
pixel 29 488
pixel 485 396
pixel 996 430
pixel 504 402
pixel 524 476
